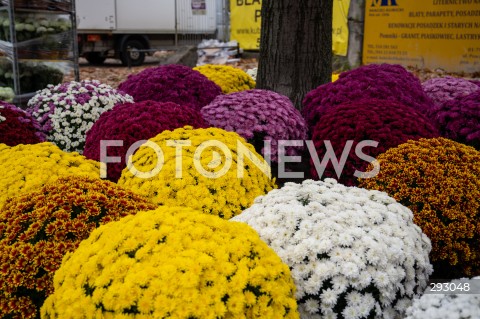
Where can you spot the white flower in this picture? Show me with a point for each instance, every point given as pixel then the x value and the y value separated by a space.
pixel 329 297
pixel 446 306
pixel 345 240
pixel 76 107
pixel 312 305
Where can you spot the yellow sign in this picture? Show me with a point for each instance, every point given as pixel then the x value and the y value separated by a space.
pixel 340 26
pixel 245 22
pixel 426 34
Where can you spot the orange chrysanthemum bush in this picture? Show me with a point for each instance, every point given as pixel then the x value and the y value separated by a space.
pixel 38 228
pixel 174 263
pixel 439 180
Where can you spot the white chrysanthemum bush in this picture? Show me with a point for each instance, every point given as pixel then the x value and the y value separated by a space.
pixel 461 305
pixel 353 253
pixel 67 111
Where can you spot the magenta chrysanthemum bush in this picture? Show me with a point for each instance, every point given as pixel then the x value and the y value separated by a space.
pixel 18 127
pixel 375 81
pixel 386 122
pixel 171 83
pixel 132 122
pixel 442 90
pixel 459 119
pixel 258 115
pixel 476 82
pixel 68 110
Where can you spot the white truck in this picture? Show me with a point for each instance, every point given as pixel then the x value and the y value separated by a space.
pixel 123 28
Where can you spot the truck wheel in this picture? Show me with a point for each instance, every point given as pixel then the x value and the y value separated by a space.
pixel 94 58
pixel 130 53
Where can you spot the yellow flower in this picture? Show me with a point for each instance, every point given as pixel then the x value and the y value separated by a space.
pixel 228 78
pixel 179 277
pixel 200 186
pixel 27 167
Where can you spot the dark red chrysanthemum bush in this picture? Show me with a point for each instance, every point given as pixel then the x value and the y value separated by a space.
pixel 18 127
pixel 171 83
pixel 132 122
pixel 375 81
pixel 386 122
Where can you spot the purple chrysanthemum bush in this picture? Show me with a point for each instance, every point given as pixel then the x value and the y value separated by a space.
pixel 442 90
pixel 133 122
pixel 18 127
pixel 459 119
pixel 67 111
pixel 375 81
pixel 258 115
pixel 386 122
pixel 171 83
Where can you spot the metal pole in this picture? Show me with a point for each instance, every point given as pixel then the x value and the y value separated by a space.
pixel 13 39
pixel 73 15
pixel 176 24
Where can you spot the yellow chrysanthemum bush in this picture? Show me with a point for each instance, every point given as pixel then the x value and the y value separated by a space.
pixel 439 180
pixel 210 170
pixel 173 262
pixel 26 167
pixel 228 78
pixel 38 228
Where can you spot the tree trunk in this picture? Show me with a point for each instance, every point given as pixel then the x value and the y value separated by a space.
pixel 295 47
pixel 356 22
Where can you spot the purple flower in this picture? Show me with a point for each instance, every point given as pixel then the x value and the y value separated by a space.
pixel 376 81
pixel 18 127
pixel 67 111
pixel 442 90
pixel 255 114
pixel 387 122
pixel 459 119
pixel 132 122
pixel 171 83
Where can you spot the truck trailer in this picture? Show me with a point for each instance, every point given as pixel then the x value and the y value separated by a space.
pixel 130 29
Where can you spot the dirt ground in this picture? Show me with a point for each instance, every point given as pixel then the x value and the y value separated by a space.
pixel 113 73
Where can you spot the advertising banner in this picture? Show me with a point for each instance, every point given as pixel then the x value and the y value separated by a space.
pixel 245 23
pixel 427 34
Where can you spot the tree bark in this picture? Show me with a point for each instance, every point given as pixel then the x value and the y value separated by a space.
pixel 356 24
pixel 295 47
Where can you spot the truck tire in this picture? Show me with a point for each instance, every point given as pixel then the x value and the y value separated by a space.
pixel 94 58
pixel 132 57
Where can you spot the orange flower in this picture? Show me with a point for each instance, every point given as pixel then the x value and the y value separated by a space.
pixel 37 229
pixel 439 180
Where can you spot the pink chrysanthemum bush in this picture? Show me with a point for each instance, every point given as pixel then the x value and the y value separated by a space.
pixel 171 83
pixel 353 253
pixel 18 127
pixel 459 119
pixel 442 90
pixel 68 110
pixel 172 262
pixel 384 122
pixel 133 122
pixel 258 115
pixel 378 81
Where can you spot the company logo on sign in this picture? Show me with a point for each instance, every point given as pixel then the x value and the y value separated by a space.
pixel 384 3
